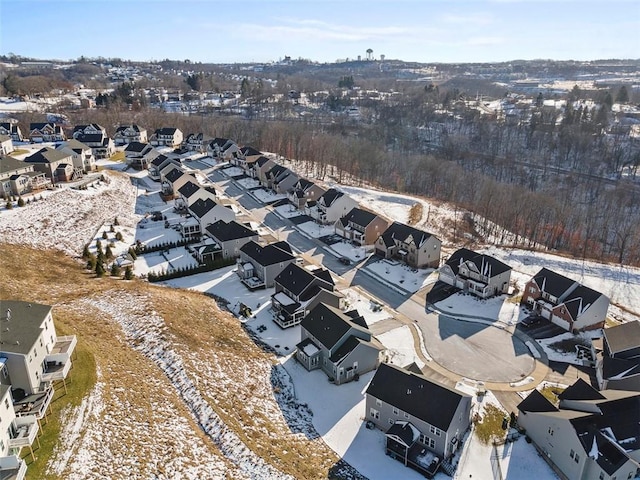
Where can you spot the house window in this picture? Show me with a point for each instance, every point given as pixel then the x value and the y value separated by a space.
pixel 391 422
pixel 431 443
pixel 601 476
pixel 572 453
pixel 434 430
pixel 576 458
pixel 378 402
pixel 395 411
pixel 406 415
pixel 550 431
pixel 423 439
pixel 374 414
pixel 532 290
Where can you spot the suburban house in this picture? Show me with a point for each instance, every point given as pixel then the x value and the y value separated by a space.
pixel 12 130
pixel 173 178
pixel 191 191
pixel 95 137
pixel 194 142
pixel 221 149
pixel 205 211
pixel 46 132
pixel 57 165
pixel 361 227
pixel 166 136
pixel 229 237
pixel 159 163
pixel 618 365
pixel 258 266
pixel 481 275
pixel 81 155
pixel 126 134
pixel 6 145
pixel 285 182
pixel 416 248
pixel 140 155
pixel 18 177
pixel 330 206
pixel 272 174
pixel 245 156
pixel 339 343
pixel 590 435
pixel 304 191
pixel 32 356
pixel 423 419
pixel 298 291
pixel 565 302
pixel 259 169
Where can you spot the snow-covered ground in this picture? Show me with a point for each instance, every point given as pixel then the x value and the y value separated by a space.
pixel 316 230
pixel 401 275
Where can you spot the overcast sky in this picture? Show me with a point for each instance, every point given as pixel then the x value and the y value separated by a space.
pixel 322 30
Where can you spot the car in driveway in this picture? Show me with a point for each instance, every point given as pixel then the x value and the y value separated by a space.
pixel 531 321
pixel 345 260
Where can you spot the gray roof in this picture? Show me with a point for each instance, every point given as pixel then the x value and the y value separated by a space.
pixel 404 233
pixel 47 155
pixel 486 264
pixel 329 325
pixel 623 337
pixel 188 189
pixel 416 395
pixel 269 254
pixel 359 217
pixel 201 207
pixel 8 164
pixel 225 231
pixel 20 333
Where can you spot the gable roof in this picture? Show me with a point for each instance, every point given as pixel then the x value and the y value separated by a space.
pixel 136 147
pixel 174 175
pixel 133 126
pixel 486 264
pixel 359 217
pixel 47 155
pixel 74 144
pixel 166 131
pixel 202 206
pixel 623 337
pixel 614 368
pixel 552 282
pixel 536 402
pixel 269 254
pixel 416 395
pixel 328 325
pixel 223 231
pixel 579 299
pixel 276 170
pixel 248 151
pixel 405 233
pixel 580 390
pixel 330 196
pixel 188 189
pixel 8 164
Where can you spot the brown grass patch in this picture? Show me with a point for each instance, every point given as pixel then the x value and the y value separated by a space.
pixel 415 213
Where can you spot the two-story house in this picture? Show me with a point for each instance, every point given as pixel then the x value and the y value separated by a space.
pixel 565 302
pixel 81 154
pixel 285 181
pixel 194 142
pixel 190 192
pixel 298 290
pixel 126 134
pixel 34 356
pixel 272 174
pixel 57 165
pixel 303 192
pixel 15 433
pixel 618 365
pixel 259 169
pixel 12 130
pixel 415 247
pixel 590 435
pixel 422 418
pixel 159 163
pixel 139 155
pixel 361 227
pixel 95 136
pixel 167 137
pixel 19 178
pixel 46 132
pixel 330 206
pixel 258 266
pixel 6 145
pixel 221 149
pixel 230 237
pixel 205 211
pixel 481 275
pixel 244 157
pixel 339 343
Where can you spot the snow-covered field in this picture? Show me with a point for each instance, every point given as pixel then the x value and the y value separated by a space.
pixel 400 275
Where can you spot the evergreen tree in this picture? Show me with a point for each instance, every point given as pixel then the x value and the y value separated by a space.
pixel 100 271
pixel 623 95
pixel 115 221
pixel 112 228
pixel 115 270
pixel 105 235
pixel 85 251
pixel 20 202
pixel 98 246
pixel 119 236
pixel 108 253
pixel 128 273
pixel 91 262
pixel 9 205
pixel 133 254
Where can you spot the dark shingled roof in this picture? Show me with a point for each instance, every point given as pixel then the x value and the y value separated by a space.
pixel 189 189
pixel 201 207
pixel 261 161
pixel 269 254
pixel 135 147
pixel 359 217
pixel 296 279
pixel 133 126
pixel 485 264
pixel 21 332
pixel 330 196
pixel 623 337
pixel 536 402
pixel 620 368
pixel 328 325
pixel 47 155
pixel 174 175
pixel 223 231
pixel 403 233
pixel 416 395
pixel 166 131
pixel 581 390
pixel 8 164
pixel 248 151
pixel 580 299
pixel 552 282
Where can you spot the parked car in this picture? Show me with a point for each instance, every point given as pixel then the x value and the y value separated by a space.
pixel 345 260
pixel 531 321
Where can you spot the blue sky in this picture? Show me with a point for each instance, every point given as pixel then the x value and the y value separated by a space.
pixel 322 30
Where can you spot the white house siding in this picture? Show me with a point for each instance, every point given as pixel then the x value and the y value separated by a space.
pixel 594 315
pixel 429 254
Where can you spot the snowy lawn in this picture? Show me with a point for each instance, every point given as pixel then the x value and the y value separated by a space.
pixel 316 230
pixel 398 273
pixel 248 182
pixel 400 346
pixel 353 252
pixel 266 196
pixel 495 308
pixel 232 171
pixel 561 348
pixel 119 246
pixel 288 211
pixel 164 261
